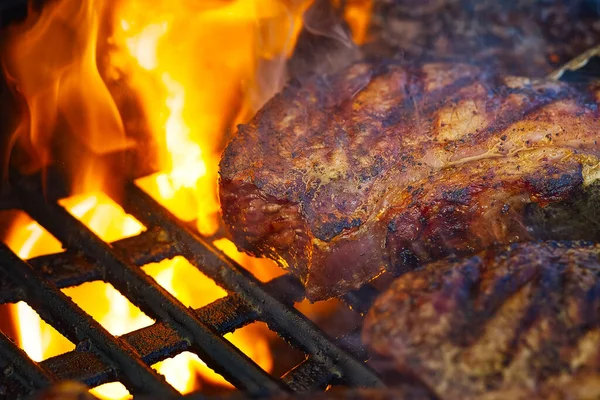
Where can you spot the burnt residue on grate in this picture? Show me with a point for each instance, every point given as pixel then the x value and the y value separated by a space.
pixel 100 357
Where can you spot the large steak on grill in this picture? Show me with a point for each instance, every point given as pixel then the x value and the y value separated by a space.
pixel 521 322
pixel 388 164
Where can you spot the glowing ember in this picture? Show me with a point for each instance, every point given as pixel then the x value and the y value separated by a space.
pixel 197 68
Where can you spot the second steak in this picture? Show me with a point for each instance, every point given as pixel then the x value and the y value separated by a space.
pixel 510 323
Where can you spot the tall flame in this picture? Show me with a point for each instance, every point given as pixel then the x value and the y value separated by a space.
pixel 202 57
pixel 51 61
pixel 195 69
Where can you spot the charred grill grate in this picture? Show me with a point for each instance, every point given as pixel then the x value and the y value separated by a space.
pixel 100 357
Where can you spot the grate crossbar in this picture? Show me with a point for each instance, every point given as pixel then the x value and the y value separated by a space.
pixel 144 292
pixel 71 268
pixel 287 322
pixel 58 310
pixel 14 363
pixel 101 357
pixel 159 341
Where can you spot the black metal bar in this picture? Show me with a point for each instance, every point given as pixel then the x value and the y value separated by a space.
pixel 58 310
pixel 13 360
pixel 153 343
pixel 70 268
pixel 152 245
pixel 145 293
pixel 352 343
pixel 312 374
pixel 361 300
pixel 9 293
pixel 286 321
pixel 159 341
pixel 309 375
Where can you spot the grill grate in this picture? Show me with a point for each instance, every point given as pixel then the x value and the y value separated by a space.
pixel 100 357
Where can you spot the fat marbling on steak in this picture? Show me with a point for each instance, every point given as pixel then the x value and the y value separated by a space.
pixel 522 322
pixel 388 164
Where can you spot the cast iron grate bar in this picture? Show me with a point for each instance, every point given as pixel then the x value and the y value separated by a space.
pixel 14 363
pixel 287 322
pixel 145 293
pixel 70 268
pixel 178 329
pixel 159 341
pixel 361 300
pixel 311 374
pixel 77 326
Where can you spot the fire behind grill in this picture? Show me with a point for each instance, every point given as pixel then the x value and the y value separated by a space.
pixel 100 357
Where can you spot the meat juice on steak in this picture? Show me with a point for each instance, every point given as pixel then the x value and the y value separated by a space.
pixel 391 165
pixel 524 37
pixel 520 322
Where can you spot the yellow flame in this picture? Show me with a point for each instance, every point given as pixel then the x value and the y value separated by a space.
pixel 358 15
pixel 47 60
pixel 187 165
pixel 197 69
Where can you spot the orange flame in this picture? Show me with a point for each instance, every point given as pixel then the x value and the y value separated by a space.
pixel 358 14
pixel 49 58
pixel 197 68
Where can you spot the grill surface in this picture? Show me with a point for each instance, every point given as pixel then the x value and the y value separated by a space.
pixel 100 357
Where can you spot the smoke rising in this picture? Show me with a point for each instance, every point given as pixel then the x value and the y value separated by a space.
pixel 325 43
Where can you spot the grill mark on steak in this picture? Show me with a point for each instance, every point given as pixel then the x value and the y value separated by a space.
pixel 435 224
pixel 389 165
pixel 418 104
pixel 540 295
pixel 530 106
pixel 481 306
pixel 520 320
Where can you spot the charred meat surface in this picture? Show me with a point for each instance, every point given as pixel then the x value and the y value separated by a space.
pixel 524 37
pixel 511 323
pixel 391 165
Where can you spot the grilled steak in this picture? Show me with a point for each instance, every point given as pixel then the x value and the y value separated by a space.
pixel 391 164
pixel 528 37
pixel 521 321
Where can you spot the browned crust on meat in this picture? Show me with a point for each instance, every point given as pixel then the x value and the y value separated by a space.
pixel 525 37
pixel 471 206
pixel 516 322
pixel 326 173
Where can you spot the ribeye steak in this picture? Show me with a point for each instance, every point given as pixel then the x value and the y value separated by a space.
pixel 390 164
